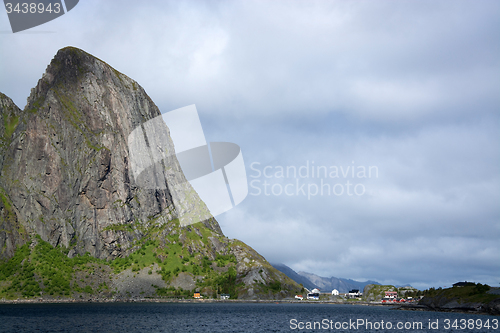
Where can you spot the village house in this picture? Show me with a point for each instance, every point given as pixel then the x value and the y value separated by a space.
pixel 353 294
pixel 314 294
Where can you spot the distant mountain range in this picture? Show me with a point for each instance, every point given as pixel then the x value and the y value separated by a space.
pixel 295 276
pixel 325 284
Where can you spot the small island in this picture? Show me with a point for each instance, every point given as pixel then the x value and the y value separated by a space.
pixel 463 297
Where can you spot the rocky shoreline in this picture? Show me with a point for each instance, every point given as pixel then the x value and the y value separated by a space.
pixel 485 309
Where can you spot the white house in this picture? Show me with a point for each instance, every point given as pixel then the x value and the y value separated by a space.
pixel 335 292
pixel 353 293
pixel 314 294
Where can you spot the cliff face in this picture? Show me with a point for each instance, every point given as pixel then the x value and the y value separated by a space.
pixel 65 176
pixel 12 232
pixel 67 167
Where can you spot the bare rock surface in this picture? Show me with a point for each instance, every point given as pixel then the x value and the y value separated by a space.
pixel 137 284
pixel 67 165
pixel 184 281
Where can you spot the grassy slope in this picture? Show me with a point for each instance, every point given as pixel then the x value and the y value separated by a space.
pixel 468 294
pixel 39 269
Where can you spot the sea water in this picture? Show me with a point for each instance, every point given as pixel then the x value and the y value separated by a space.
pixel 233 317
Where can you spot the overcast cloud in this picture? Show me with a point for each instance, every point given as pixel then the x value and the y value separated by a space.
pixel 408 87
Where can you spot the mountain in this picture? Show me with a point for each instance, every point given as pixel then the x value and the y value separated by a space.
pixel 294 276
pixel 328 284
pixel 73 220
pixel 311 281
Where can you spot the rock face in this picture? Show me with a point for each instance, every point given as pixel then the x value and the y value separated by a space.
pixel 66 169
pixel 66 176
pixel 12 232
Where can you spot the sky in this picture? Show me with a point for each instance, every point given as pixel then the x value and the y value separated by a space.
pixel 404 93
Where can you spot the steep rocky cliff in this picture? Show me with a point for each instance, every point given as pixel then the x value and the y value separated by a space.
pixel 66 181
pixel 12 232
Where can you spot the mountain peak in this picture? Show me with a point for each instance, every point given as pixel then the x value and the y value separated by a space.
pixel 73 69
pixel 69 58
pixel 71 63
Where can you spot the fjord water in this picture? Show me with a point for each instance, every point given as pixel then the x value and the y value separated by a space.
pixel 214 317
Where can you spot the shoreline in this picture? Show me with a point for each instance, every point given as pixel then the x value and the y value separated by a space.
pixel 178 300
pixel 416 307
pixel 405 307
pixel 173 300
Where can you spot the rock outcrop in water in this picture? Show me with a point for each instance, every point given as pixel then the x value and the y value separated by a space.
pixel 65 176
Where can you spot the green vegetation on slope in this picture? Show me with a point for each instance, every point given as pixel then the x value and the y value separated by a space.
pixel 10 123
pixel 172 255
pixel 471 293
pixel 39 269
pixel 44 270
